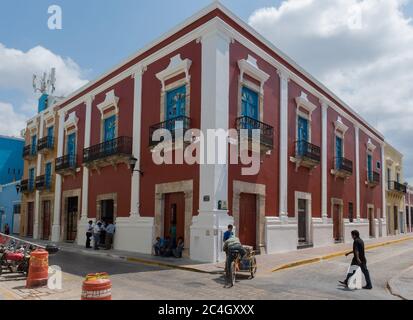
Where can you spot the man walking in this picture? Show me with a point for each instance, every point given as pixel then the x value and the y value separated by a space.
pixel 359 259
pixel 96 235
pixel 110 231
pixel 89 234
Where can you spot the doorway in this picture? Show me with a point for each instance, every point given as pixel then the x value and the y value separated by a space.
pixel 107 210
pixel 30 219
pixel 71 219
pixel 46 220
pixel 248 220
pixel 174 216
pixel 395 220
pixel 302 221
pixel 372 232
pixel 337 223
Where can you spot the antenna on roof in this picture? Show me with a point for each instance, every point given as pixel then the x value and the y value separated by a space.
pixel 46 84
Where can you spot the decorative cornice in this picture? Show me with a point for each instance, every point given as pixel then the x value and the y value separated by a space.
pixel 250 67
pixel 176 67
pixel 303 102
pixel 370 146
pixel 340 126
pixel 110 101
pixel 71 121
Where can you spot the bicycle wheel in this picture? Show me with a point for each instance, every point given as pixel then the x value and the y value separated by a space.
pixel 253 267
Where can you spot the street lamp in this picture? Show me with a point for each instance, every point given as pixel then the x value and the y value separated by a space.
pixel 18 188
pixel 132 163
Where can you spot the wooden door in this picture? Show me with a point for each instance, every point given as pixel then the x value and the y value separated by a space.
pixel 302 221
pixel 30 218
pixel 337 223
pixel 248 219
pixel 46 220
pixel 174 216
pixel 371 223
pixel 71 219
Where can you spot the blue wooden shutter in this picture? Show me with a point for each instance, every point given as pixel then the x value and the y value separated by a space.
pixel 250 103
pixel 34 144
pixel 110 129
pixel 50 133
pixel 71 148
pixel 370 167
pixel 48 174
pixel 339 152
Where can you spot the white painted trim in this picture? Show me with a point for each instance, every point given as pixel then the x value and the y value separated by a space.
pixel 71 121
pixel 303 102
pixel 324 164
pixel 175 68
pixel 357 146
pixel 85 178
pixel 249 66
pixel 370 146
pixel 309 218
pixel 284 79
pixel 111 100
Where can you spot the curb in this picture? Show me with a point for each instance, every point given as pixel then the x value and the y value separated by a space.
pixel 392 287
pixel 336 254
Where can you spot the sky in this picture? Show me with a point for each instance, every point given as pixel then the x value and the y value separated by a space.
pixel 361 49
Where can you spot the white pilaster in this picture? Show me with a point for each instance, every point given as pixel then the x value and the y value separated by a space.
pixel 206 228
pixel 284 79
pixel 136 149
pixel 383 187
pixel 58 186
pixel 357 144
pixel 37 206
pixel 324 165
pixel 81 236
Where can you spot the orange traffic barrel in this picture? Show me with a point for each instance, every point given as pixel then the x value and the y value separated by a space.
pixel 97 287
pixel 38 269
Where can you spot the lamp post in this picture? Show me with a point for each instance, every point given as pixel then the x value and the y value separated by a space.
pixel 132 163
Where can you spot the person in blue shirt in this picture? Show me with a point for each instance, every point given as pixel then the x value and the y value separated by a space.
pixel 229 232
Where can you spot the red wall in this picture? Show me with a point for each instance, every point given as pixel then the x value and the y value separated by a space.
pixel 369 195
pixel 339 188
pixel 113 179
pixel 303 180
pixel 155 174
pixel 269 171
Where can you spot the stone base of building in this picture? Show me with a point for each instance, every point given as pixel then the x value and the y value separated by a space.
pixel 134 234
pixel 207 232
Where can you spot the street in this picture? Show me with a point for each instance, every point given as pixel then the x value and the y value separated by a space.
pixel 137 281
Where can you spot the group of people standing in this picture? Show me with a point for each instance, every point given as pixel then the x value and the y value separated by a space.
pixel 102 234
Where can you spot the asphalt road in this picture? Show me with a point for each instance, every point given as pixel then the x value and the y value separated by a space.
pixel 138 281
pixel 315 281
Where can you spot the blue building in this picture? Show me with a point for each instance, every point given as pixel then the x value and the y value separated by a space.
pixel 11 159
pixel 10 200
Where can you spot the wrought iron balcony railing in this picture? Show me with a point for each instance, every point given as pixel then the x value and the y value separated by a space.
pixel 29 151
pixel 43 183
pixel 266 132
pixel 373 178
pixel 46 143
pixel 344 165
pixel 67 162
pixel 309 151
pixel 24 186
pixel 397 186
pixel 119 146
pixel 172 125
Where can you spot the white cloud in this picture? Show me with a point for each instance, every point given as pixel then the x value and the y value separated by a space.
pixel 16 71
pixel 361 49
pixel 11 122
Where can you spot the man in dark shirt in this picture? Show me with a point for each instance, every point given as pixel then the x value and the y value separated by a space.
pixel 359 259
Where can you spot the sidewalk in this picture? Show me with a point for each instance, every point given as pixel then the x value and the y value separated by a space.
pixel 402 285
pixel 266 263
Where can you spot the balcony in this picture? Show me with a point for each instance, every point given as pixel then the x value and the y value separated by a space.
pixel 172 126
pixel 306 155
pixel 29 152
pixel 43 183
pixel 66 165
pixel 111 152
pixel 27 186
pixel 397 188
pixel 343 168
pixel 373 179
pixel 266 132
pixel 46 144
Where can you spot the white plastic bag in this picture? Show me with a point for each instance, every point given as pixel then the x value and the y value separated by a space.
pixel 356 280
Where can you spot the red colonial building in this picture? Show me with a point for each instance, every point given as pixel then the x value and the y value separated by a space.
pixel 320 176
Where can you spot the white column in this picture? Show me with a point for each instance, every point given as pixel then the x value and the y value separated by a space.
pixel 284 79
pixel 58 186
pixel 357 143
pixel 383 182
pixel 324 165
pixel 81 237
pixel 37 206
pixel 206 229
pixel 136 149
